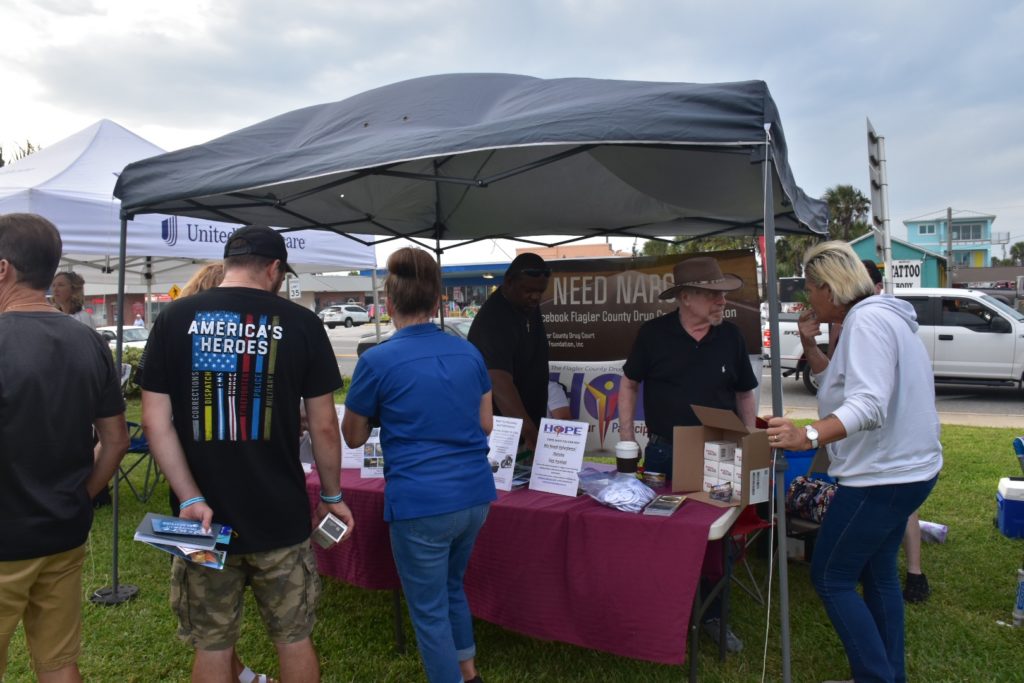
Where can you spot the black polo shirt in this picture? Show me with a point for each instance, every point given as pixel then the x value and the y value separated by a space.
pixel 515 342
pixel 678 372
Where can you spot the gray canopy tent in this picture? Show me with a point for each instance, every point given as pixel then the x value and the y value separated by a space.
pixel 466 157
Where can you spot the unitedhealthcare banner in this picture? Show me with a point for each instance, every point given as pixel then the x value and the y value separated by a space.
pixel 161 236
pixel 592 311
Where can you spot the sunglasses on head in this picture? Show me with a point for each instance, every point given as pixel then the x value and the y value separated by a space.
pixel 536 272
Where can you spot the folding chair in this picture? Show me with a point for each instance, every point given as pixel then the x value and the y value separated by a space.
pixel 747 528
pixel 138 454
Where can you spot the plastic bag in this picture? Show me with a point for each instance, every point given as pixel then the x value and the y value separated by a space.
pixel 616 490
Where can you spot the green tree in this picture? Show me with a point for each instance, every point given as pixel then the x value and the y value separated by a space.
pixel 1017 253
pixel 700 245
pixel 22 152
pixel 847 210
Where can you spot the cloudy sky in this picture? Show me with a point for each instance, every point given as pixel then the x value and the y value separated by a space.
pixel 943 81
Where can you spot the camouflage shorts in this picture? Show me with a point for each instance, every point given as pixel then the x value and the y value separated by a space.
pixel 208 602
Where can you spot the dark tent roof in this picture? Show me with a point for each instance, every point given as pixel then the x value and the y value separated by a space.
pixel 473 156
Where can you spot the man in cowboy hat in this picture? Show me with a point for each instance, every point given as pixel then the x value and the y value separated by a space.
pixel 691 356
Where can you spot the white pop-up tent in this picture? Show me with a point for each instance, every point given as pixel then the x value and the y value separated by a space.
pixel 72 182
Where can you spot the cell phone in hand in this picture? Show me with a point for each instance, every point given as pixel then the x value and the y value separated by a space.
pixel 329 531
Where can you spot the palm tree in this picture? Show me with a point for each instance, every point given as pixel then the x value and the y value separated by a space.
pixel 847 209
pixel 1017 253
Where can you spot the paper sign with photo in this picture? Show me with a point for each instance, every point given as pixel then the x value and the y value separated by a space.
pixel 371 464
pixel 503 442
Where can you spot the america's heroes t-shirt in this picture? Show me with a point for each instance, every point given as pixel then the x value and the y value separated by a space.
pixel 235 361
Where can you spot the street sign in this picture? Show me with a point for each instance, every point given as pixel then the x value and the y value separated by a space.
pixel 294 290
pixel 174 292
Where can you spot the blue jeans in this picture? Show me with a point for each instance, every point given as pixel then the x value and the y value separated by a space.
pixel 858 543
pixel 658 458
pixel 431 554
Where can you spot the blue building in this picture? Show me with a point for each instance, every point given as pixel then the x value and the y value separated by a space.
pixel 933 265
pixel 972 238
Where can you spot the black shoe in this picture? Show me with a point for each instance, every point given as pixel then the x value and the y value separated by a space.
pixel 916 588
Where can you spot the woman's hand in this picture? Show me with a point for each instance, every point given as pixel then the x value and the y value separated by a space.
pixel 783 433
pixel 809 327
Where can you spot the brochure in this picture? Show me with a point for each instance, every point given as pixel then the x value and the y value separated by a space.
pixel 664 505
pixel 194 547
pixel 504 441
pixel 371 465
pixel 559 456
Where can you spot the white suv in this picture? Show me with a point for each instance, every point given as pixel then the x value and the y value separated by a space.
pixel 344 314
pixel 971 338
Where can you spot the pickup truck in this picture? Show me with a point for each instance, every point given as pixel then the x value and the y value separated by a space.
pixel 971 338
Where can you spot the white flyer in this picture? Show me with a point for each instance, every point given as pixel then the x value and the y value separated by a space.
pixel 372 464
pixel 559 456
pixel 503 442
pixel 351 458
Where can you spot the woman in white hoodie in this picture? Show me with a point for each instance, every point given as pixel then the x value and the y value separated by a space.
pixel 878 420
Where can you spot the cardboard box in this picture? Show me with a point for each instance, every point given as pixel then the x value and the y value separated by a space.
pixel 707 483
pixel 726 471
pixel 719 450
pixel 720 425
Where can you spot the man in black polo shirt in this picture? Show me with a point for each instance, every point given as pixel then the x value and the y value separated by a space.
pixel 509 333
pixel 688 357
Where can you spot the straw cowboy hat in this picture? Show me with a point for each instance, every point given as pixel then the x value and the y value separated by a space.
pixel 701 272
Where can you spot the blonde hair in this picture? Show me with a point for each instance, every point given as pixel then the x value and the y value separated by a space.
pixel 77 284
pixel 207 277
pixel 837 265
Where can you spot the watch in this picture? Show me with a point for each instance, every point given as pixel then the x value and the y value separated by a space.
pixel 812 434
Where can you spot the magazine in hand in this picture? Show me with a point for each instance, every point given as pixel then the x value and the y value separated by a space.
pixel 193 545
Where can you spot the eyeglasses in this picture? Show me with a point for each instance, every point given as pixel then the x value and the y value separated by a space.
pixel 535 272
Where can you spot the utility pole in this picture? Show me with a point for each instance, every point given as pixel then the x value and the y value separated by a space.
pixel 950 261
pixel 880 201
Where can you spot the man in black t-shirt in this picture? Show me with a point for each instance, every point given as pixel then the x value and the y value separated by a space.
pixel 225 370
pixel 509 332
pixel 57 385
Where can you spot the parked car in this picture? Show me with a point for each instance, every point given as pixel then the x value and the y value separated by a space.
pixel 971 338
pixel 344 314
pixel 134 337
pixel 458 327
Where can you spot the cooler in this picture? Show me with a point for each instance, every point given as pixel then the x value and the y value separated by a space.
pixel 1010 507
pixel 799 462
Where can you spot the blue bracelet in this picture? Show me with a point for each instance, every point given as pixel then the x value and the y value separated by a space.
pixel 191 501
pixel 330 500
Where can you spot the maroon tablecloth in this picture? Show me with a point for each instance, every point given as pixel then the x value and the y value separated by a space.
pixel 556 568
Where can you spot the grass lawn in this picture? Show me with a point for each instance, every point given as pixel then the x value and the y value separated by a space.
pixel 952 637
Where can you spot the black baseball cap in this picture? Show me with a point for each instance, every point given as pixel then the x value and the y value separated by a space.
pixel 258 240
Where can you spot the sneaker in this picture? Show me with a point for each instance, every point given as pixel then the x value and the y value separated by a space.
pixel 732 642
pixel 916 588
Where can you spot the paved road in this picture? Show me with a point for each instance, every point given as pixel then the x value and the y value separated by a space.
pixel 344 341
pixel 957 404
pixel 971 405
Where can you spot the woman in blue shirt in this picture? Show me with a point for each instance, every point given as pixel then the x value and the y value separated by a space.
pixel 431 394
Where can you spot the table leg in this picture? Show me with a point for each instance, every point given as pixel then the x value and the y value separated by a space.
pixel 695 618
pixel 396 608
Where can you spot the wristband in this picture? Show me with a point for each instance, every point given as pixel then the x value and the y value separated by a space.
pixel 331 500
pixel 191 501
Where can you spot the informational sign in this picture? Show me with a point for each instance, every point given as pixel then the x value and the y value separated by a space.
pixel 294 290
pixel 351 458
pixel 503 442
pixel 372 465
pixel 593 308
pixel 558 457
pixel 174 292
pixel 906 274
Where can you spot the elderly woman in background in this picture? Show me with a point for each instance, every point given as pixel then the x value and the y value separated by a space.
pixel 68 294
pixel 432 395
pixel 879 422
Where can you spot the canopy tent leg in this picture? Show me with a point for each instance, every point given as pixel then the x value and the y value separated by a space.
pixel 771 277
pixel 117 593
